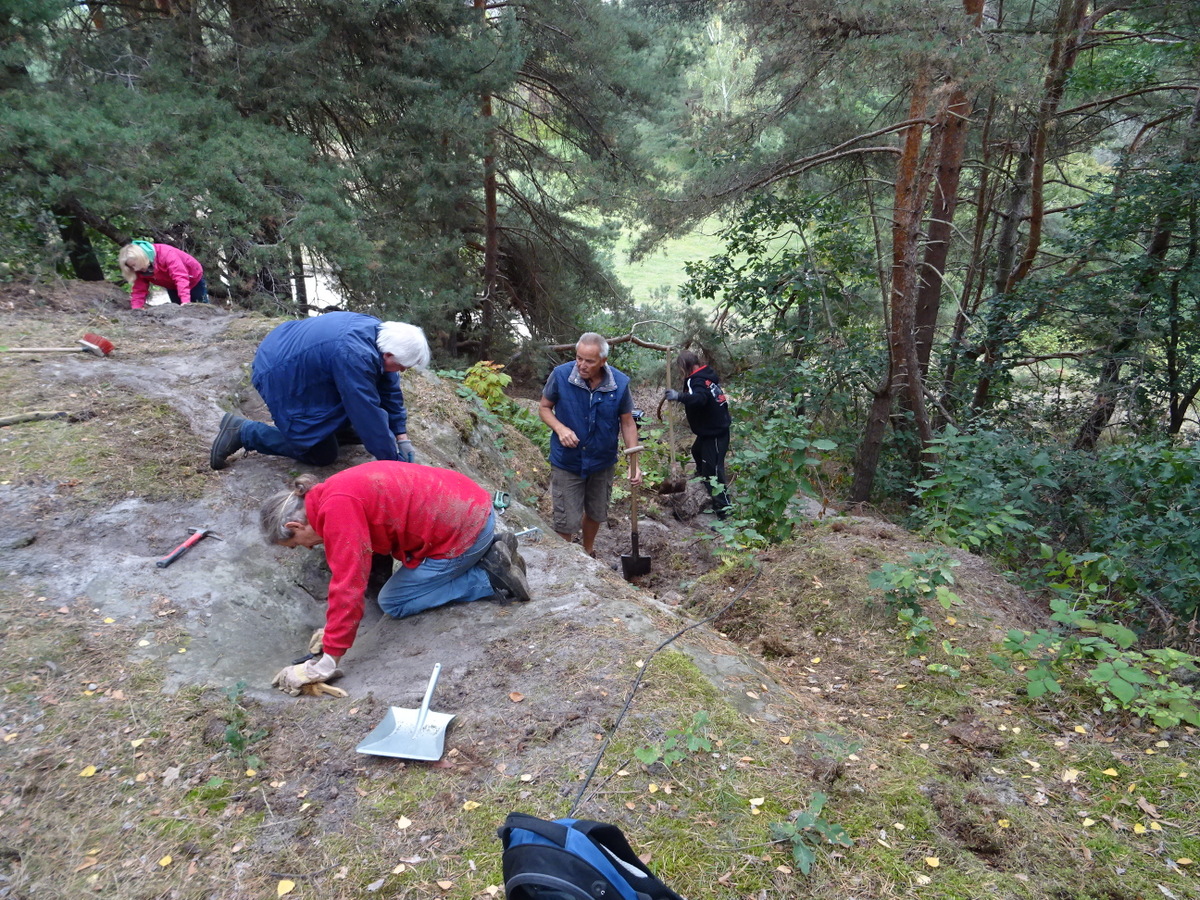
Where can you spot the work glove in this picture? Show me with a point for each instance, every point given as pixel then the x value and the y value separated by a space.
pixel 292 678
pixel 314 642
pixel 671 394
pixel 405 449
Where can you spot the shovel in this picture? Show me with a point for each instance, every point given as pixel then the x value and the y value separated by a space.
pixel 410 733
pixel 633 564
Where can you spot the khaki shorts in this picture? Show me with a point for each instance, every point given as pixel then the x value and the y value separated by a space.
pixel 575 496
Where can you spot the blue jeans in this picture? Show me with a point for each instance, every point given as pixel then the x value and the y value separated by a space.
pixel 436 582
pixel 199 293
pixel 264 438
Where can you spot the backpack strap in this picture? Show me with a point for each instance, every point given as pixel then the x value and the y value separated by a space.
pixel 552 831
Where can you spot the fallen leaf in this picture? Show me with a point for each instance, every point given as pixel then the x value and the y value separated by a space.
pixel 165 861
pixel 786 870
pixel 1088 823
pixel 284 887
pixel 785 739
pixel 527 777
pixel 1003 823
pixel 752 695
pixel 815 660
pixel 108 620
pixel 653 788
pixel 1070 776
pixel 445 885
pixel 1154 826
pixel 400 867
pixel 1183 861
pixel 87 772
pixel 1079 729
pixel 1032 763
pixel 516 696
pixel 492 890
pixel 376 885
pixel 86 864
pixel 923 879
pixel 932 861
pixel 471 804
pixel 1162 744
pixel 1147 807
pixel 137 742
pixel 403 822
pixel 1111 773
pixel 1139 828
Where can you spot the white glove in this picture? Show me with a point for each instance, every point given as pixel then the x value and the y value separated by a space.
pixel 292 678
pixel 314 642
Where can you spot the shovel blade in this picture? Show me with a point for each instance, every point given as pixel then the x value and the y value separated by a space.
pixel 398 735
pixel 632 565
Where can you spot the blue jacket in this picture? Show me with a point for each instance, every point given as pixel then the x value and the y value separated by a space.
pixel 320 374
pixel 595 416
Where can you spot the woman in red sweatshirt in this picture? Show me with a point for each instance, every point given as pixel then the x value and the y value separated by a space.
pixel 439 523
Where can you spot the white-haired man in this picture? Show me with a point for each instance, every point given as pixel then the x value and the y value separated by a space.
pixel 328 380
pixel 588 405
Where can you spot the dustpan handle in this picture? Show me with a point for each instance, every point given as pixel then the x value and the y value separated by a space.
pixel 433 679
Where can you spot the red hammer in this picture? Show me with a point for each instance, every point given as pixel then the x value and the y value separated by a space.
pixel 197 535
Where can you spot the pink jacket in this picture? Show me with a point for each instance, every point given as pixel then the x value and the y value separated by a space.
pixel 172 269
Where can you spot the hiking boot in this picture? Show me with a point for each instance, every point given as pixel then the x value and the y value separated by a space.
pixel 228 440
pixel 503 572
pixel 510 540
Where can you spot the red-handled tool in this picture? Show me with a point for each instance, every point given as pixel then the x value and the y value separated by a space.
pixel 198 534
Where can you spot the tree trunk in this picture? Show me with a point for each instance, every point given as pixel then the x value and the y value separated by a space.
pixel 79 246
pixel 491 225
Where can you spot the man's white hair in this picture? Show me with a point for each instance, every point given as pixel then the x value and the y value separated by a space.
pixel 594 340
pixel 405 342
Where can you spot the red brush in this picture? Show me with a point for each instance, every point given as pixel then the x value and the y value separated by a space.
pixel 91 343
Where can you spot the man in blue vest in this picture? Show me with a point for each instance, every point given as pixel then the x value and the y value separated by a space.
pixel 587 403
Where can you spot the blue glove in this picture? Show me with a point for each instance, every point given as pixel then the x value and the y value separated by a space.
pixel 405 450
pixel 670 394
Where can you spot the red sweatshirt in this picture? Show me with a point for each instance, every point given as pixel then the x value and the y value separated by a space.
pixel 409 512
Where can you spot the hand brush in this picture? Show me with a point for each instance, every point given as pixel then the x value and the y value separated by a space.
pixel 91 343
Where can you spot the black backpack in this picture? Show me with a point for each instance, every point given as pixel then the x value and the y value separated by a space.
pixel 573 859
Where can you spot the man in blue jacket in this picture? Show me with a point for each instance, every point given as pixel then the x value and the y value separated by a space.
pixel 321 376
pixel 587 403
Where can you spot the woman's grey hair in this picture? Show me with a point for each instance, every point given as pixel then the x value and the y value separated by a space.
pixel 132 259
pixel 405 342
pixel 283 507
pixel 595 340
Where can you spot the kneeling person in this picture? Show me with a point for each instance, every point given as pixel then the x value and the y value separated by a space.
pixel 439 523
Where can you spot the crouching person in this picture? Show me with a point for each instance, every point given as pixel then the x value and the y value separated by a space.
pixel 439 523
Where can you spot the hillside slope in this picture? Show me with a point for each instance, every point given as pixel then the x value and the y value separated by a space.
pixel 146 755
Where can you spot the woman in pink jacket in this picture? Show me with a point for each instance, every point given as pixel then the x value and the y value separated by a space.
pixel 144 264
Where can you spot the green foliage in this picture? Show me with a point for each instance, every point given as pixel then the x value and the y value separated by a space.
pixel 488 380
pixel 678 744
pixel 238 734
pixel 773 463
pixel 809 832
pixel 927 577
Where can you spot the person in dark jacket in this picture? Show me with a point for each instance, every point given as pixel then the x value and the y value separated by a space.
pixel 328 380
pixel 708 417
pixel 587 404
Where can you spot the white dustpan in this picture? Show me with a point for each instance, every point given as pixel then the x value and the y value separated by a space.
pixel 410 733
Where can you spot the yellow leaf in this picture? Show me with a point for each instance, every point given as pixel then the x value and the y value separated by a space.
pixel 815 660
pixel 88 772
pixel 622 772
pixel 932 861
pixel 653 788
pixel 1111 773
pixel 1070 776
pixel 951 620
pixel 1139 828
pixel 1150 752
pixel 1161 744
pixel 445 885
pixel 786 870
pixel 901 687
pixel 1079 729
pixel 470 805
pixel 1183 861
pixel 492 890
pixel 1032 763
pixel 923 879
pixel 527 777
pixel 284 887
pixel 757 801
pixel 1003 823
pixel 1088 823
pixel 1154 826
pixel 639 663
pixel 400 868
pixel 165 861
pixel 785 739
pixel 305 805
pixel 137 742
pixel 403 822
pixel 250 773
pixel 109 620
pixel 899 826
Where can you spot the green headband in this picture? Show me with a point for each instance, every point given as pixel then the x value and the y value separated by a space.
pixel 148 247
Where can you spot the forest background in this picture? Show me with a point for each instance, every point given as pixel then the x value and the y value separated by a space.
pixel 956 275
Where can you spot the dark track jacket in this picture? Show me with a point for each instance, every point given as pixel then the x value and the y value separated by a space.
pixel 705 403
pixel 321 374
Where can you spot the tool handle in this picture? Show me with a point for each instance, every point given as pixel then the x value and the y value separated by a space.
pixel 43 349
pixel 437 670
pixel 180 550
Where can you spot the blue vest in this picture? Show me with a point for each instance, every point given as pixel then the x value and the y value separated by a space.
pixel 593 415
